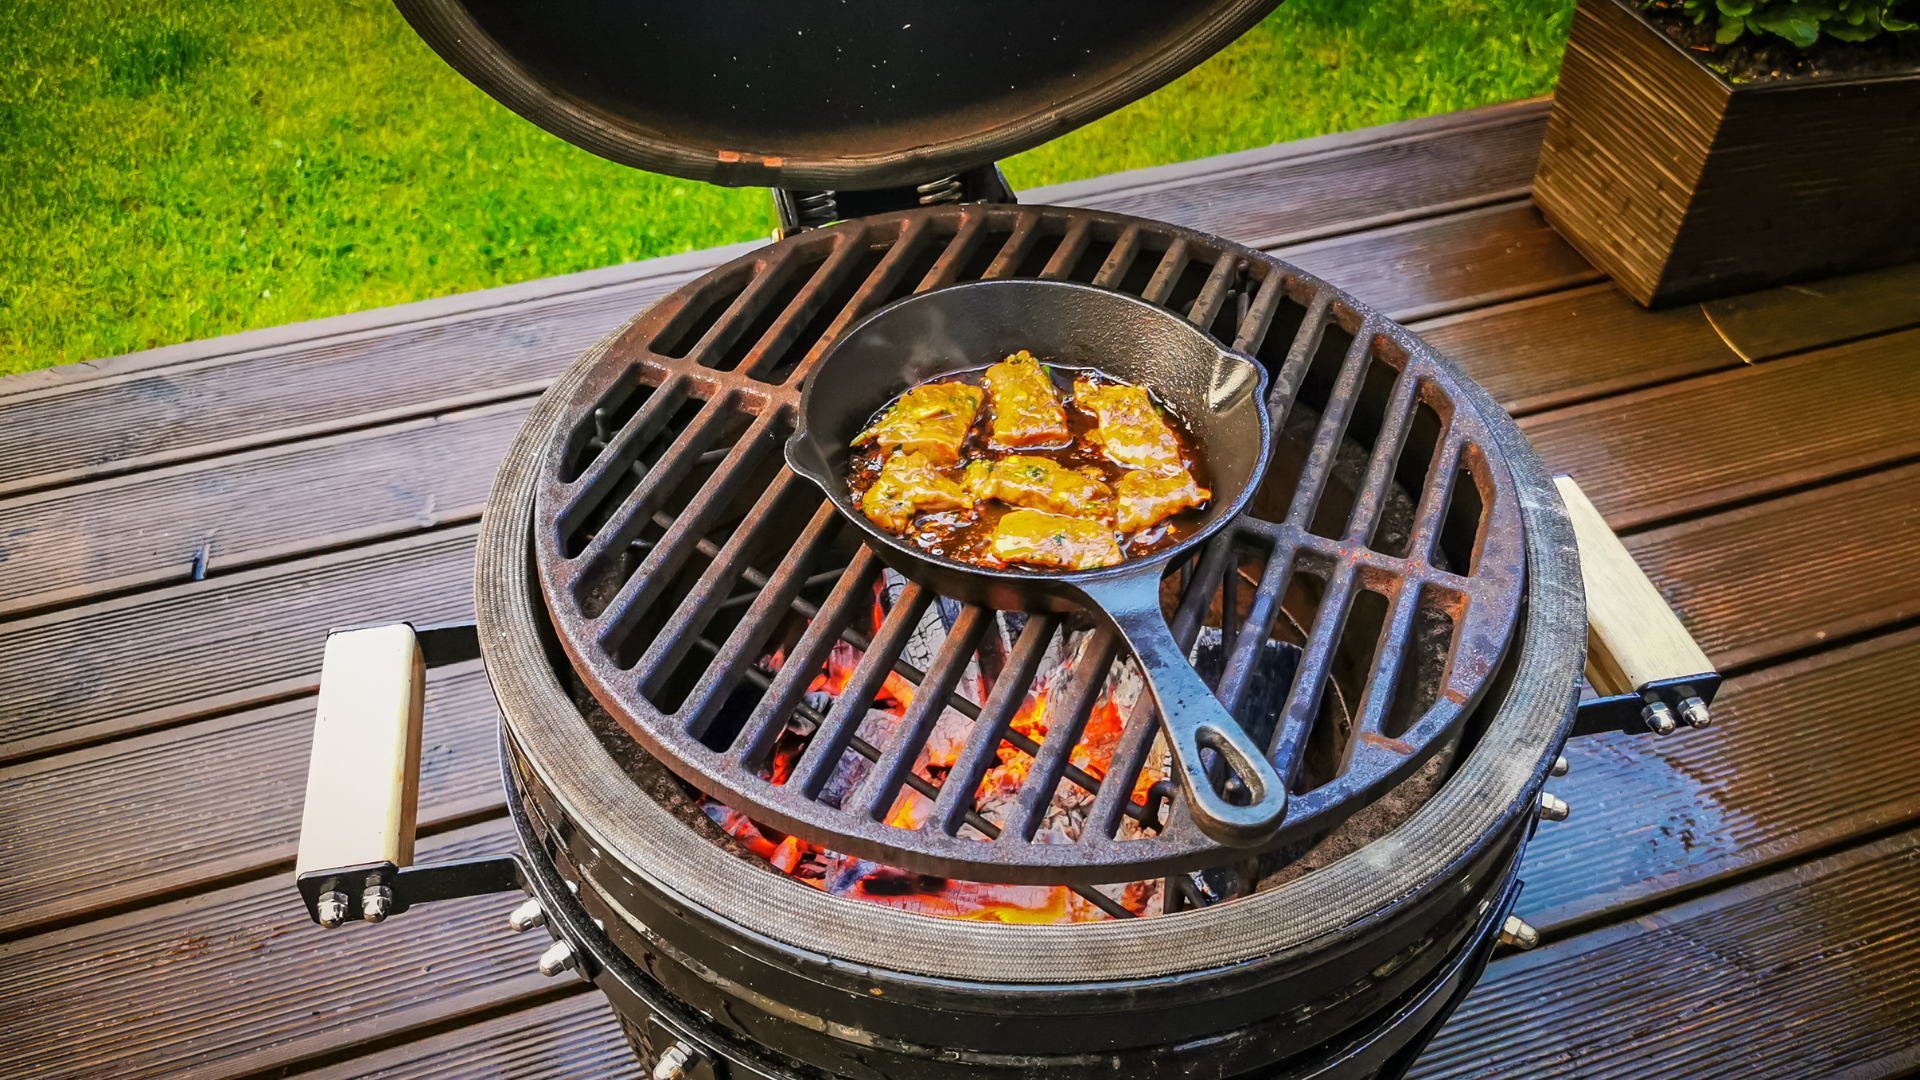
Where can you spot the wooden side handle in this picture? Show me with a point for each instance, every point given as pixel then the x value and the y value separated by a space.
pixel 1636 646
pixel 363 780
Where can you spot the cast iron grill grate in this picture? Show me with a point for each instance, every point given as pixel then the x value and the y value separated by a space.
pixel 700 587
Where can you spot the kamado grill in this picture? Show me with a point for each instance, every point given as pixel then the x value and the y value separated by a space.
pixel 799 816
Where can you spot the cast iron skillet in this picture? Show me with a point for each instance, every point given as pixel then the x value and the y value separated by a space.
pixel 1219 392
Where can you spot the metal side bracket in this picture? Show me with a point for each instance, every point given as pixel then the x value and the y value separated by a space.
pixel 363 780
pixel 1647 669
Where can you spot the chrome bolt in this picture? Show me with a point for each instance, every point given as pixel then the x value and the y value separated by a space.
pixel 527 916
pixel 375 902
pixel 1694 711
pixel 559 957
pixel 1659 718
pixel 1553 809
pixel 1560 766
pixel 1517 933
pixel 332 909
pixel 676 1063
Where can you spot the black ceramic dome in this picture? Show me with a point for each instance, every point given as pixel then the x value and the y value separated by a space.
pixel 837 94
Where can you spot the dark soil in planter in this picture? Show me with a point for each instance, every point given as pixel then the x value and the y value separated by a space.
pixel 1759 58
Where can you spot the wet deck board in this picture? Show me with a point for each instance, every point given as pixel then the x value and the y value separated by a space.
pixel 151 804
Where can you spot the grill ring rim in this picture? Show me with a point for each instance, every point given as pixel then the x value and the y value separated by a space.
pixel 1483 630
pixel 1497 783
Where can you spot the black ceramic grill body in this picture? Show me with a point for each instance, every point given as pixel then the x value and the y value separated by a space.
pixel 821 985
pixel 1220 395
pixel 674 551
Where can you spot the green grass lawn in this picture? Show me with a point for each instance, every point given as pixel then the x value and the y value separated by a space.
pixel 173 171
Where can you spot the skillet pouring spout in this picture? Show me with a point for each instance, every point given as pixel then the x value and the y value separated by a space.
pixel 1219 393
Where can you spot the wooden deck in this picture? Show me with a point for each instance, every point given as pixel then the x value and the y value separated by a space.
pixel 179 528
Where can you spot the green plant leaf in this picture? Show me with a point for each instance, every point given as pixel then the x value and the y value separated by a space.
pixel 1730 31
pixel 1736 9
pixel 1788 22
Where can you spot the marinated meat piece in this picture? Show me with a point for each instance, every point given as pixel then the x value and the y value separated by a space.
pixel 931 419
pixel 1054 541
pixel 1039 483
pixel 1145 499
pixel 1131 431
pixel 1026 407
pixel 910 484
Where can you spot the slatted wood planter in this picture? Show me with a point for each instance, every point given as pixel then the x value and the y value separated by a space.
pixel 1683 186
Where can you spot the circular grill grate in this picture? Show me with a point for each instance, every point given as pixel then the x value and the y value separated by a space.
pixel 700 588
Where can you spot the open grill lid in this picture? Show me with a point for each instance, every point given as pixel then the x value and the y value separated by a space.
pixel 822 95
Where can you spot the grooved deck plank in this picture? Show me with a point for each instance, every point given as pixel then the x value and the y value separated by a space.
pixel 575 1038
pixel 186 651
pixel 1776 322
pixel 1463 260
pixel 1294 192
pixel 1811 972
pixel 75 543
pixel 1656 454
pixel 1794 572
pixel 1568 347
pixel 151 418
pixel 1801 756
pixel 139 818
pixel 239 980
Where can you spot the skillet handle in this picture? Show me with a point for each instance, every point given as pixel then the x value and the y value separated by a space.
pixel 1192 717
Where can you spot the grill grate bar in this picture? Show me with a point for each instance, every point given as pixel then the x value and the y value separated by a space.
pixel 809 653
pixel 744 645
pixel 1058 268
pixel 620 452
pixel 1433 507
pixel 738 599
pixel 946 269
pixel 1333 425
pixel 1246 647
pixel 780 336
pixel 1309 682
pixel 728 564
pixel 1064 727
pixel 772 276
pixel 983 742
pixel 1125 250
pixel 1285 388
pixel 1371 499
pixel 1025 234
pixel 824 749
pixel 671 551
pixel 1268 297
pixel 626 522
pixel 1160 285
pixel 885 277
pixel 1206 306
pixel 878 791
pixel 1378 697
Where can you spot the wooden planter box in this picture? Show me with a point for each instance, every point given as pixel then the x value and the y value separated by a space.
pixel 1683 186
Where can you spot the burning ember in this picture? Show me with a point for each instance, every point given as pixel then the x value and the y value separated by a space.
pixel 861 879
